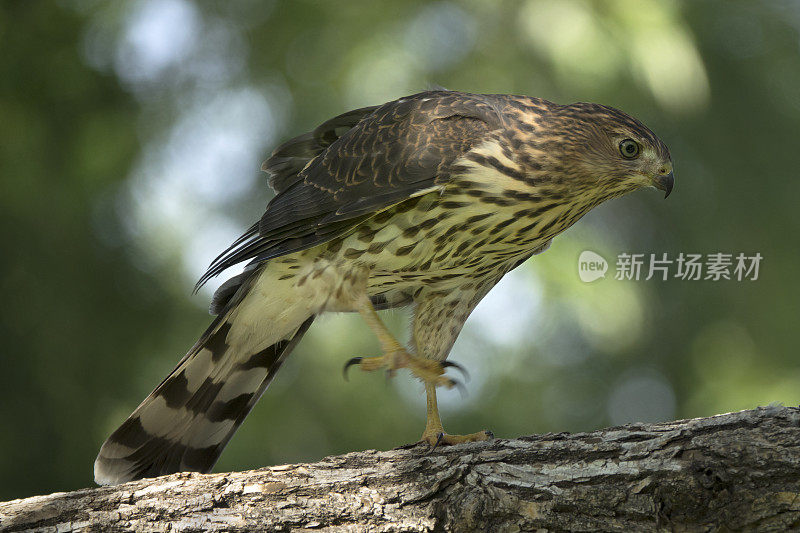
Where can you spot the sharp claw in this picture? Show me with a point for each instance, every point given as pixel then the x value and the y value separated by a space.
pixel 457 384
pixel 438 442
pixel 458 367
pixel 348 364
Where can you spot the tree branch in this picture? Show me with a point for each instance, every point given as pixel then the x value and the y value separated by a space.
pixel 736 471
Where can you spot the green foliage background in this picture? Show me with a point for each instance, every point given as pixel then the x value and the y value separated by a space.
pixel 130 140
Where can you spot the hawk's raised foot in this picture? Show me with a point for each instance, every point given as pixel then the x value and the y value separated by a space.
pixel 395 356
pixel 426 370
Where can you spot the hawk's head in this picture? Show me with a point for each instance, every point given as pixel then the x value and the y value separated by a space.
pixel 608 150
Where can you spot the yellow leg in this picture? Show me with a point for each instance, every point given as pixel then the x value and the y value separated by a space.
pixel 395 356
pixel 434 432
pixel 429 371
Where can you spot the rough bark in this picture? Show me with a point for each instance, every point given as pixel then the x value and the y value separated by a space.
pixel 739 471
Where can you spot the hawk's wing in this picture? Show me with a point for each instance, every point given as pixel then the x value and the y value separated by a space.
pixel 353 166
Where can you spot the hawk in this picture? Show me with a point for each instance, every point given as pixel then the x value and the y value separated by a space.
pixel 425 201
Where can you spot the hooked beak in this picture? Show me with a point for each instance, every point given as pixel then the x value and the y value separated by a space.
pixel 664 182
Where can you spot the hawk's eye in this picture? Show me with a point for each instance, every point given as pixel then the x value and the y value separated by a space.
pixel 629 148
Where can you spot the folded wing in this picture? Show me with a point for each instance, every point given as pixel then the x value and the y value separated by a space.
pixel 358 164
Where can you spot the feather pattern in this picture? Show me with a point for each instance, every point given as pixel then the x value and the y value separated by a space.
pixel 355 165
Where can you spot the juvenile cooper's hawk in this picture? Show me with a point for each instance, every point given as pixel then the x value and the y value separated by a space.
pixel 426 201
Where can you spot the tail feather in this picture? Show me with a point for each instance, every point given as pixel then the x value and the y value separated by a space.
pixel 185 423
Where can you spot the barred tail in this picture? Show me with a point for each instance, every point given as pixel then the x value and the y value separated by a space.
pixel 188 419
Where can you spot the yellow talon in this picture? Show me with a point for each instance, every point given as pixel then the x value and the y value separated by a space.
pixel 427 370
